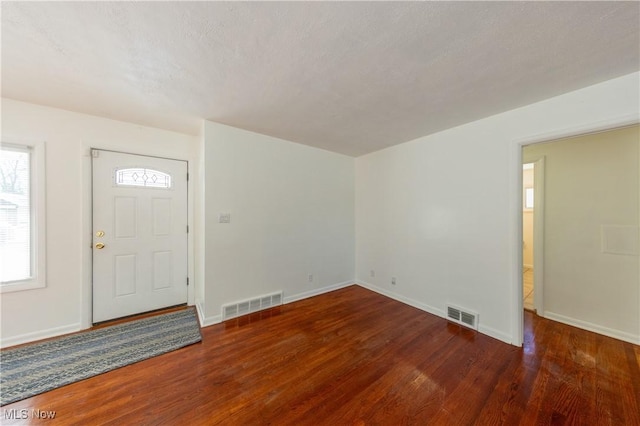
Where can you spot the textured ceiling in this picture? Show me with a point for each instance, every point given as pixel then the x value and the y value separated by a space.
pixel 350 77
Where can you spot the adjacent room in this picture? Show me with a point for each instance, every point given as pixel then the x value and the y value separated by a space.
pixel 348 212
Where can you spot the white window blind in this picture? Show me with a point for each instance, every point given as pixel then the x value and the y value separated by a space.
pixel 16 221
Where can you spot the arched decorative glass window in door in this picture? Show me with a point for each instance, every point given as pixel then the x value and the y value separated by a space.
pixel 140 176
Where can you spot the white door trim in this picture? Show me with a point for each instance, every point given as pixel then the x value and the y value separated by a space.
pixel 517 311
pixel 87 225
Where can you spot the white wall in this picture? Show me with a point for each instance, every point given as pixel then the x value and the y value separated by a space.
pixel 418 215
pixel 292 210
pixel 450 238
pixel 292 214
pixel 591 181
pixel 65 304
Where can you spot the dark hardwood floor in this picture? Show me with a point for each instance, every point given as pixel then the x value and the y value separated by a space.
pixel 353 357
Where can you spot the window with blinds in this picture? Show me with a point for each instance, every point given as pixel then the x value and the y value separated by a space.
pixel 16 207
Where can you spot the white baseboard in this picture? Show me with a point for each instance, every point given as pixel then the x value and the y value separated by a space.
pixel 610 332
pixel 491 332
pixel 399 298
pixel 39 335
pixel 496 334
pixel 316 292
pixel 207 321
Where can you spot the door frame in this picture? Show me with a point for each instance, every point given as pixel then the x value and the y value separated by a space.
pixel 538 231
pixel 87 216
pixel 517 305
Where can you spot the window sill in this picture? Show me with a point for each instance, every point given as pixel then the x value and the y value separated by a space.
pixel 11 286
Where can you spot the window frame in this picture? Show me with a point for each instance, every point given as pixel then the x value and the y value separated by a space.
pixel 526 206
pixel 37 219
pixel 119 170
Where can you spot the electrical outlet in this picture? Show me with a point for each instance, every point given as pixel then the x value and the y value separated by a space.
pixel 373 273
pixel 393 280
pixel 310 278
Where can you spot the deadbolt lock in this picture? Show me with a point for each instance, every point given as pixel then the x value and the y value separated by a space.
pixel 100 234
pixel 100 246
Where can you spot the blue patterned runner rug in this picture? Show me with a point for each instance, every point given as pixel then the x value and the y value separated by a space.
pixel 36 368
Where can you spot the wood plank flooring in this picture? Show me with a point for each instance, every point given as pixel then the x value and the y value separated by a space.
pixel 353 357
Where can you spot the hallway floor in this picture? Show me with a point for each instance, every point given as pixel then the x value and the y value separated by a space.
pixel 527 282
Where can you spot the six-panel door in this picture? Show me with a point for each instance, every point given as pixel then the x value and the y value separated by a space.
pixel 139 234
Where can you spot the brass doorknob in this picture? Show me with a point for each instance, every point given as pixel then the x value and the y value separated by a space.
pixel 100 234
pixel 100 246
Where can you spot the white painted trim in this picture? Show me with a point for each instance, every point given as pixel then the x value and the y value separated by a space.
pixel 538 234
pixel 39 335
pixel 496 334
pixel 86 297
pixel 515 207
pixel 586 129
pixel 316 292
pixel 206 321
pixel 584 325
pixel 200 312
pixel 489 331
pixel 515 170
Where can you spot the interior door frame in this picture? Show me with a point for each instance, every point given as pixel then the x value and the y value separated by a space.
pixel 517 304
pixel 85 321
pixel 538 231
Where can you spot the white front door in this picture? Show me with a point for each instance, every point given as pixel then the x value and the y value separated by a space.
pixel 139 234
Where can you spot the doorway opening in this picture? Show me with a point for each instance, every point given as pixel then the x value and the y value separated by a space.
pixel 528 197
pixel 533 233
pixel 566 310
